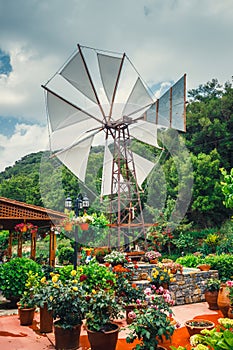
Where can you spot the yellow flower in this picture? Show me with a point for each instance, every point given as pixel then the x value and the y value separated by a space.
pixel 75 289
pixel 54 278
pixel 161 278
pixel 51 298
pixel 43 279
pixel 74 281
pixel 93 291
pixel 73 273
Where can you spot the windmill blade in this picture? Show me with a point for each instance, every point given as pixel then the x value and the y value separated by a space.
pixel 170 109
pixel 76 158
pixel 110 69
pixel 76 74
pixel 142 168
pixel 138 99
pixel 145 132
pixel 62 113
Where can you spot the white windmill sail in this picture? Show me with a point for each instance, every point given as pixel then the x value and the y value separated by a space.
pixel 76 157
pixel 145 132
pixel 76 74
pixel 142 168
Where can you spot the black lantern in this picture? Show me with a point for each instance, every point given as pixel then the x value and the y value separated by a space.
pixel 85 203
pixel 68 203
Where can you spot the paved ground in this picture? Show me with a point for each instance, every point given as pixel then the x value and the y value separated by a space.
pixel 16 337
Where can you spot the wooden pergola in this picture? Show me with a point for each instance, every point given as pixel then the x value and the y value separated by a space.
pixel 13 212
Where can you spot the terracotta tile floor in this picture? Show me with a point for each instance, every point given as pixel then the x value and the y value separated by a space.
pixel 16 337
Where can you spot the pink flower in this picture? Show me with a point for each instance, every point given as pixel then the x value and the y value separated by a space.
pixel 132 315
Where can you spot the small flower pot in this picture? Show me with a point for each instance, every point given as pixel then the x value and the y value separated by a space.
pixel 84 226
pixel 196 326
pixel 26 316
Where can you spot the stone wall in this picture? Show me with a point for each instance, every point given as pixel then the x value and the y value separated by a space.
pixel 190 287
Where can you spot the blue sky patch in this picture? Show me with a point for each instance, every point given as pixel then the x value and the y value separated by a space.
pixel 5 65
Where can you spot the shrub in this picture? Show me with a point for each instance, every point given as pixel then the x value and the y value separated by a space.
pixel 190 260
pixel 66 255
pixel 13 276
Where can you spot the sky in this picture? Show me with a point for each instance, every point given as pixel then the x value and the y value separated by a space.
pixel 163 38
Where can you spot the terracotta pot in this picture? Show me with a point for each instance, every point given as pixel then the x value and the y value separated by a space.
pixel 211 298
pixel 196 329
pixel 154 261
pixel 26 316
pixel 66 338
pixel 104 340
pixel 68 226
pixel 84 226
pixel 46 320
pixel 223 300
pixel 204 267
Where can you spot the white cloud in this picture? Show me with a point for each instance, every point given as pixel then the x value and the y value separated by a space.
pixel 25 140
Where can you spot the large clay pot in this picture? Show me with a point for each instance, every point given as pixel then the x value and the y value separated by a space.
pixel 104 340
pixel 223 300
pixel 66 338
pixel 26 316
pixel 211 298
pixel 46 320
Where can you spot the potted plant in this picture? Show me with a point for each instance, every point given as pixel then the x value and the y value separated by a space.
pixel 211 292
pixel 13 276
pixel 102 309
pixel 27 303
pixel 196 326
pixel 42 295
pixel 152 256
pixel 129 295
pixel 115 258
pixel 161 276
pixel 153 324
pixel 100 253
pixel 67 302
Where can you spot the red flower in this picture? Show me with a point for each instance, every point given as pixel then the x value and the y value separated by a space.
pixel 82 278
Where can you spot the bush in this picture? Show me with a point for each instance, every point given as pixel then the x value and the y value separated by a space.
pixel 223 263
pixel 190 260
pixel 66 255
pixel 13 276
pixel 4 237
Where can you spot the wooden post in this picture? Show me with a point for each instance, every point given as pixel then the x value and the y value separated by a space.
pixel 33 246
pixel 20 244
pixel 52 247
pixel 9 252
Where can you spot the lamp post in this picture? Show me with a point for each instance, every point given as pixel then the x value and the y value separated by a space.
pixel 80 203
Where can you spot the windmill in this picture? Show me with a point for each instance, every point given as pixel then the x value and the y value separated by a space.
pixel 99 98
